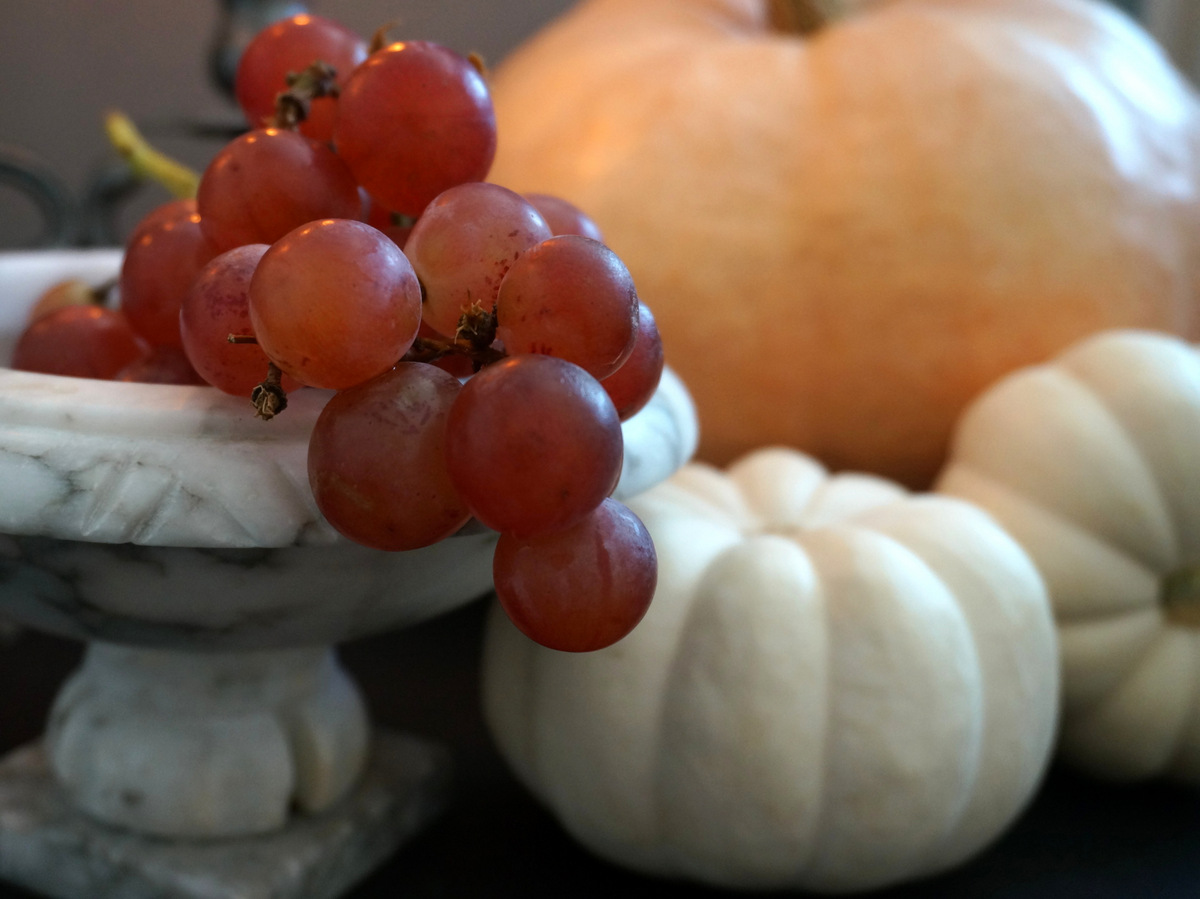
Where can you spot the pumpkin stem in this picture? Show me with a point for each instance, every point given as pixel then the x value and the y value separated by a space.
pixel 803 17
pixel 1181 597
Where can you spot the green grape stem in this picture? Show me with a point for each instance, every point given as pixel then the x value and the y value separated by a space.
pixel 147 162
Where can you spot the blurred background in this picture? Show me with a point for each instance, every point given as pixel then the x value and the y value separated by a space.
pixel 64 62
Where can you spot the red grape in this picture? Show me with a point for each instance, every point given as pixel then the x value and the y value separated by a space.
pixel 631 386
pixel 564 217
pixel 464 243
pixel 413 120
pixel 216 306
pixel 290 46
pixel 335 303
pixel 533 444
pixel 161 261
pixel 265 183
pixel 162 365
pixel 81 341
pixel 376 461
pixel 582 588
pixel 569 297
pixel 181 207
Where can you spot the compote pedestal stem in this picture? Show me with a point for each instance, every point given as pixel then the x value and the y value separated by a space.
pixel 206 744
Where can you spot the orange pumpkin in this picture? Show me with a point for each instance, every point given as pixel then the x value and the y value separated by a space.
pixel 846 234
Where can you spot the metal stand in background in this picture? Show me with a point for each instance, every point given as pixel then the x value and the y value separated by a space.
pixel 240 21
pixel 92 221
pixel 22 171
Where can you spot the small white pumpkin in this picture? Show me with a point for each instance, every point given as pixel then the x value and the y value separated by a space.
pixel 1092 462
pixel 838 686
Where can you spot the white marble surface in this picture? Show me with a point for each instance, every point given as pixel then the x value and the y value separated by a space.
pixel 50 847
pixel 206 744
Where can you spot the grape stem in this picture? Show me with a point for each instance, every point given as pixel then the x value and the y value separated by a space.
pixel 292 105
pixel 382 36
pixel 269 398
pixel 474 339
pixel 145 161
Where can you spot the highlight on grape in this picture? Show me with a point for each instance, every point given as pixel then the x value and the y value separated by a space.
pixel 483 346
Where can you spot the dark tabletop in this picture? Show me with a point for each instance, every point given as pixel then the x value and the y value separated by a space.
pixel 1079 838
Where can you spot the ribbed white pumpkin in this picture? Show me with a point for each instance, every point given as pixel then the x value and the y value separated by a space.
pixel 838 686
pixel 1092 462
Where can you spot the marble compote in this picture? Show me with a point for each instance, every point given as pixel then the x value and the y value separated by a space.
pixel 210 744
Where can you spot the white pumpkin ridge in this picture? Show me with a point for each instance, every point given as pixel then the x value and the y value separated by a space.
pixel 1089 462
pixel 838 686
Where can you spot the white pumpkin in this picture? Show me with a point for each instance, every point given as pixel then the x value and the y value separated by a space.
pixel 1092 462
pixel 838 686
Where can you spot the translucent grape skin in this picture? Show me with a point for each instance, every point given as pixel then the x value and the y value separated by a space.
pixel 82 341
pixel 376 460
pixel 582 588
pixel 533 444
pixel 463 245
pixel 564 217
pixel 415 119
pixel 216 306
pixel 162 258
pixel 266 182
pixel 569 297
pixel 291 45
pixel 335 303
pixel 632 385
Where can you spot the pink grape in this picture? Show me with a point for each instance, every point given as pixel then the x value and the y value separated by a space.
pixel 162 365
pixel 463 245
pixel 569 297
pixel 413 120
pixel 216 306
pixel 161 260
pixel 633 384
pixel 582 588
pixel 290 46
pixel 564 217
pixel 181 207
pixel 334 303
pixel 533 444
pixel 265 183
pixel 376 460
pixel 82 341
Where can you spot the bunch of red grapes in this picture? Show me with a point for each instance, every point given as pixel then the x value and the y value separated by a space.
pixel 484 346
